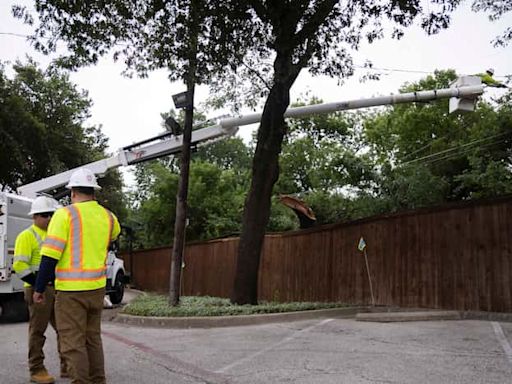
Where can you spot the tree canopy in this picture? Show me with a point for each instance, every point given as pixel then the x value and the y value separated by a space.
pixel 44 130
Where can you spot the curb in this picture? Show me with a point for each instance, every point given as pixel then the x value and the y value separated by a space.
pixel 233 321
pixel 135 290
pixel 359 313
pixel 408 316
pixel 489 316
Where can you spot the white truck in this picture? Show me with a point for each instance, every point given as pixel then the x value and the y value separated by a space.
pixel 14 208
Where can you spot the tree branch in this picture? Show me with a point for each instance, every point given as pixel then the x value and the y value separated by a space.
pixel 314 22
pixel 260 9
pixel 255 72
pixel 303 60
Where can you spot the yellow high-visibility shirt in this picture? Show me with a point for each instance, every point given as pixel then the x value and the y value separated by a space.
pixel 27 251
pixel 488 79
pixel 78 238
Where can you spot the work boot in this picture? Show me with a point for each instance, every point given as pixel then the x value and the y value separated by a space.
pixel 42 377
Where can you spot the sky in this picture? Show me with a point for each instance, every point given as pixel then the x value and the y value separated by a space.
pixel 129 109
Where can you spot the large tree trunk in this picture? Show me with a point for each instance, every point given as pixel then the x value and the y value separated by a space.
pixel 265 172
pixel 285 17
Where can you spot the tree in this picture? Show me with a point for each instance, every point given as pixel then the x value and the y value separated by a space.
pixel 322 153
pixel 39 110
pixel 44 132
pixel 496 9
pixel 230 153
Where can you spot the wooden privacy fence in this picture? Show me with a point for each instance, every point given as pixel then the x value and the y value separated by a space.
pixel 457 256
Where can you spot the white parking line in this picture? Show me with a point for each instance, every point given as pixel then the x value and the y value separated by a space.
pixel 502 339
pixel 270 347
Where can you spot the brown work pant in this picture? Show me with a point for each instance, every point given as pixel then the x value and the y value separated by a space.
pixel 78 316
pixel 40 316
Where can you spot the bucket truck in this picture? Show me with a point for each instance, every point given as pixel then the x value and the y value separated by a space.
pixel 14 208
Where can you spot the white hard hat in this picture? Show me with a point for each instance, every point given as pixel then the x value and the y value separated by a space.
pixel 491 71
pixel 43 204
pixel 83 178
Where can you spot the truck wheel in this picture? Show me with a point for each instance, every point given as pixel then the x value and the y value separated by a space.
pixel 118 289
pixel 14 310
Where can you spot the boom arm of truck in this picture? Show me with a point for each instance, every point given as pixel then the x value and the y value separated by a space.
pixel 149 149
pixel 468 90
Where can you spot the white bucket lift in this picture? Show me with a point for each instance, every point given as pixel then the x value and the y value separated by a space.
pixel 465 103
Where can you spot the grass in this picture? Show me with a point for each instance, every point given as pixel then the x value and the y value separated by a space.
pixel 157 305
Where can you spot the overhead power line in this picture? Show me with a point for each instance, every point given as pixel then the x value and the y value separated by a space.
pixel 14 34
pixel 450 151
pixel 408 70
pixel 467 150
pixel 392 69
pixel 419 149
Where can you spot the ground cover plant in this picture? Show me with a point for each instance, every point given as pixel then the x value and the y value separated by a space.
pixel 158 305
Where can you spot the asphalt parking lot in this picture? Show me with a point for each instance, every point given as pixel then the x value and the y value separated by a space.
pixel 312 351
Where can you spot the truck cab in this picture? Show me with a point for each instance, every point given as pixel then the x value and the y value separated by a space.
pixel 14 218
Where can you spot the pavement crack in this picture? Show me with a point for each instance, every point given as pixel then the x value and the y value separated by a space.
pixel 188 374
pixel 170 363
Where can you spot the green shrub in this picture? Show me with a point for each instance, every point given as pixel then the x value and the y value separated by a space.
pixel 157 305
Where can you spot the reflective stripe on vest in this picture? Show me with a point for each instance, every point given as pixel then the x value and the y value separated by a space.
pixel 55 243
pixel 82 275
pixel 36 235
pixel 27 271
pixel 76 271
pixel 76 237
pixel 24 258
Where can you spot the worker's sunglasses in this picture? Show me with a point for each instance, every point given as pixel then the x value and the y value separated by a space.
pixel 46 214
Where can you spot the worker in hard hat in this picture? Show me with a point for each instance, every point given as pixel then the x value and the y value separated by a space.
pixel 75 250
pixel 27 258
pixel 487 79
